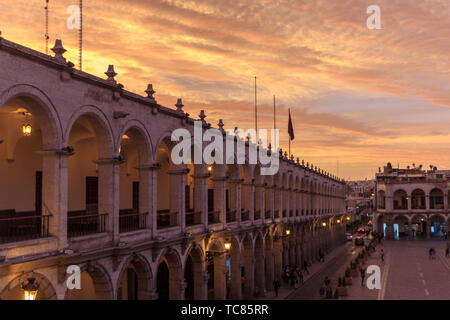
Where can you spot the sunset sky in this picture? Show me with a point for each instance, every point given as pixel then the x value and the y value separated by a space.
pixel 358 97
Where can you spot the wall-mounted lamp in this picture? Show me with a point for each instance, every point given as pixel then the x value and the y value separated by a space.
pixel 288 232
pixel 209 168
pixel 227 246
pixel 324 224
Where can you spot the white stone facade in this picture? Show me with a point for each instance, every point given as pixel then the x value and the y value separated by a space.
pixel 415 200
pixel 139 226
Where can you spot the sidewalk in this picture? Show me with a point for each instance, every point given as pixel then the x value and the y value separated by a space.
pixel 286 290
pixel 358 292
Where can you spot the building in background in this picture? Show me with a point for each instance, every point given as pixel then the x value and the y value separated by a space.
pixel 360 199
pixel 412 203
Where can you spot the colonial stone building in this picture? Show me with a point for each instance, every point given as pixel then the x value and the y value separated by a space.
pixel 87 180
pixel 412 203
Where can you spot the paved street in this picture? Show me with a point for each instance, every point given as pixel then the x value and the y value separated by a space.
pixel 408 273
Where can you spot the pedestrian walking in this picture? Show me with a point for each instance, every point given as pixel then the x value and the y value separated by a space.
pixel 276 286
pixel 447 252
pixel 363 275
pixel 382 255
pixel 326 281
pixel 305 266
pixel 329 292
pixel 430 253
pixel 300 276
pixel 322 291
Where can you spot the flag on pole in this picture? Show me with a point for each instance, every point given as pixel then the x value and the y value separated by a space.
pixel 290 127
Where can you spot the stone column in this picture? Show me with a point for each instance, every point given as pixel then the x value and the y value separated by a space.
pixel 147 195
pixel 247 200
pixel 269 268
pixel 249 285
pixel 177 197
pixel 259 273
pixel 235 283
pixel 220 271
pixel 260 200
pixel 108 191
pixel 220 197
pixel 201 198
pixel 55 194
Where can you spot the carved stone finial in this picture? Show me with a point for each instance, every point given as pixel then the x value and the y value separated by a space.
pixel 150 92
pixel 202 115
pixel 269 147
pixel 285 155
pixel 111 73
pixel 179 105
pixel 220 124
pixel 59 50
pixel 303 162
pixel 298 160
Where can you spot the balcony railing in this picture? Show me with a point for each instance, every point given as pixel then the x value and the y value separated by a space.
pixel 245 215
pixel 284 213
pixel 193 218
pixel 132 222
pixel 257 215
pixel 231 216
pixel 166 219
pixel 213 217
pixel 297 213
pixel 81 225
pixel 267 215
pixel 277 213
pixel 291 213
pixel 15 229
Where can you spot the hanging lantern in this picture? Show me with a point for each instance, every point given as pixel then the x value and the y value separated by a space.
pixel 227 246
pixel 30 289
pixel 288 232
pixel 27 129
pixel 209 168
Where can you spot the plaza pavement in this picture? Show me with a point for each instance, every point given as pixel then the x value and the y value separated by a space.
pixel 407 273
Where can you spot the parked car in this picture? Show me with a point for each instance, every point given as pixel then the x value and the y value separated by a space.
pixel 349 236
pixel 361 230
pixel 359 241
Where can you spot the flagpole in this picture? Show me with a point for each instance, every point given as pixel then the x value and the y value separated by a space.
pixel 256 114
pixel 274 122
pixel 289 138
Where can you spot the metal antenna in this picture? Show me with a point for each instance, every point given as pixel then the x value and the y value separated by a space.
pixel 46 27
pixel 80 42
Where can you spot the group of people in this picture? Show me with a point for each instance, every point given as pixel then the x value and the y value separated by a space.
pixel 292 275
pixel 432 252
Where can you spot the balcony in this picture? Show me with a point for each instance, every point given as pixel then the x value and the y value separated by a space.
pixel 297 213
pixel 231 216
pixel 28 227
pixel 193 218
pixel 213 217
pixel 84 224
pixel 267 215
pixel 245 215
pixel 291 213
pixel 284 213
pixel 166 219
pixel 277 214
pixel 257 215
pixel 132 221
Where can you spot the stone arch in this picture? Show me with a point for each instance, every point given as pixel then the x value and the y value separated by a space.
pixel 136 270
pixel 248 271
pixel 168 276
pixel 216 269
pixel 96 284
pixel 418 199
pixel 144 138
pixel 400 200
pixel 101 126
pixel 14 291
pixel 436 199
pixel 43 107
pixel 194 270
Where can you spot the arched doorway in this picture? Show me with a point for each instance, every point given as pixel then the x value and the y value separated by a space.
pixel 436 199
pixel 95 285
pixel 419 227
pixel 28 183
pixel 134 181
pixel 400 200
pixel 90 176
pixel 418 199
pixel 168 278
pixel 193 275
pixel 135 280
pixel 437 227
pixel 401 228
pixel 216 270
